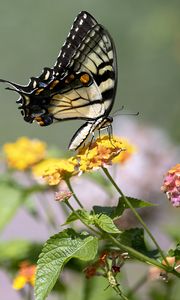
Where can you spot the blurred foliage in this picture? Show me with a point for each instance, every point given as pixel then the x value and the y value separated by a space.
pixel 147 38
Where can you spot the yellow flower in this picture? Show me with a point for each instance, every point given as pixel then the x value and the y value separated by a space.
pixel 129 149
pixel 24 153
pixel 94 155
pixel 53 170
pixel 104 151
pixel 26 275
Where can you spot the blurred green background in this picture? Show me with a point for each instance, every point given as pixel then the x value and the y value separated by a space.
pixel 147 37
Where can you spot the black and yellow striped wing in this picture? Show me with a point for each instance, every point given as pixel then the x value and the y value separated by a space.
pixel 81 85
pixel 88 61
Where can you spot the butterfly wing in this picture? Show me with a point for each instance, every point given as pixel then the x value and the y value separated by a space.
pixel 81 85
pixel 87 62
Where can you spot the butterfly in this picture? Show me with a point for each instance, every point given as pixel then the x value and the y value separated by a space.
pixel 81 85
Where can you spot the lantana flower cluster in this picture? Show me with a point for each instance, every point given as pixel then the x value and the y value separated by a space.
pixel 171 185
pixel 26 153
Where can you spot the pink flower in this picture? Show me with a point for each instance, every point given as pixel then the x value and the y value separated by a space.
pixel 171 185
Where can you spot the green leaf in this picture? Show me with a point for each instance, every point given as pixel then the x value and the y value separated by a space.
pixel 105 223
pixel 106 210
pixel 116 211
pixel 175 252
pixel 134 238
pixel 136 203
pixel 83 214
pixel 10 200
pixel 57 251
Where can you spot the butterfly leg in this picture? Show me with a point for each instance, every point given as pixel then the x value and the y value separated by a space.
pixel 110 134
pixel 92 138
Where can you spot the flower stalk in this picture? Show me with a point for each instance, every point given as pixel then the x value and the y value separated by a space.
pixel 74 195
pixel 135 213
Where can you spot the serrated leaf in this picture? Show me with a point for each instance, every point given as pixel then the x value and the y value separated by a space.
pixel 134 238
pixel 106 210
pixel 136 203
pixel 116 211
pixel 57 251
pixel 105 223
pixel 83 214
pixel 10 201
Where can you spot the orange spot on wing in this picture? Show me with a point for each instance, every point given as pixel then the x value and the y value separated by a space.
pixel 38 91
pixel 53 84
pixel 85 78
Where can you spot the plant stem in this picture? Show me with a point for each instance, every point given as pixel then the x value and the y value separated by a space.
pixel 142 257
pixel 135 213
pixel 79 217
pixel 136 254
pixel 119 292
pixel 72 191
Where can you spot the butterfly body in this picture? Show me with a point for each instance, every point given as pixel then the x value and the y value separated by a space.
pixel 81 85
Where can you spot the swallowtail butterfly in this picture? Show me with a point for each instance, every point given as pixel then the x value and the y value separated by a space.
pixel 81 85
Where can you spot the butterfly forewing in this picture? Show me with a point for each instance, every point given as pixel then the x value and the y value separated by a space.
pixel 94 55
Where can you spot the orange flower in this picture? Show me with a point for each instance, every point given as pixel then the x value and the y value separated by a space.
pixel 104 151
pixel 26 275
pixel 156 273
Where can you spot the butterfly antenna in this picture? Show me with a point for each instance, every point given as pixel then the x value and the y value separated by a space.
pixel 17 88
pixel 14 90
pixel 118 110
pixel 132 114
pixel 116 113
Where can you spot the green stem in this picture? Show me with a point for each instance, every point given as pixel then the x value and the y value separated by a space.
pixel 119 292
pixel 139 256
pixel 79 217
pixel 72 191
pixel 135 213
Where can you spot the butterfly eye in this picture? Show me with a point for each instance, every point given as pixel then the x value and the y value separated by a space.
pixel 85 78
